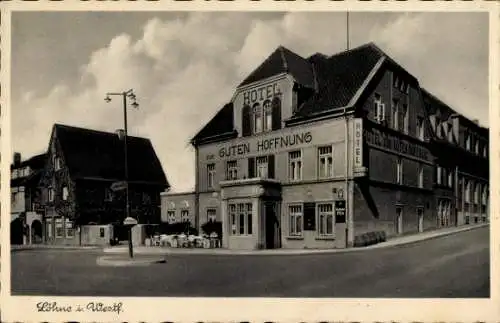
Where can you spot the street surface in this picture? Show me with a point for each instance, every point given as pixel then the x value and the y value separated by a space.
pixel 451 266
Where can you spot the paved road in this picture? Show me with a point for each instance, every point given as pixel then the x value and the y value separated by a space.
pixel 451 266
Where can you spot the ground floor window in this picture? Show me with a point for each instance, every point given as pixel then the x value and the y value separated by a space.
pixel 70 231
pixel 49 228
pixel 296 217
pixel 476 219
pixel 467 219
pixel 484 219
pixel 59 228
pixel 325 219
pixel 211 215
pixel 240 216
pixel 184 215
pixel 171 216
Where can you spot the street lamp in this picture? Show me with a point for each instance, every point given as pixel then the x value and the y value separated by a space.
pixel 131 96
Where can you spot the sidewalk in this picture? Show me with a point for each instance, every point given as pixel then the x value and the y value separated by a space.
pixel 396 241
pixel 50 247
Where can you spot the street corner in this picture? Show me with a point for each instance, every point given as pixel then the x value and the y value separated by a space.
pixel 126 261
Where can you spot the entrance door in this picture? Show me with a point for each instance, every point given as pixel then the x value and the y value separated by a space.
pixel 420 216
pixel 399 220
pixel 270 216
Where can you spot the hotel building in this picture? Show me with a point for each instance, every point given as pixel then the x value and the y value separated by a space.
pixel 315 152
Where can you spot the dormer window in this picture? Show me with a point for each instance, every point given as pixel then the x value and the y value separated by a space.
pixel 467 141
pixel 57 163
pixel 257 118
pixel 268 116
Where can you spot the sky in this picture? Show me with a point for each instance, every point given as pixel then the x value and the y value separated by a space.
pixel 184 66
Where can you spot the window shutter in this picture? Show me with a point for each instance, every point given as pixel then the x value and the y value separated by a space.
pixel 310 216
pixel 270 166
pixel 246 121
pixel 276 106
pixel 251 167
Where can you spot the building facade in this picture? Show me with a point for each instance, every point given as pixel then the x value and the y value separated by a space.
pixel 26 215
pixel 80 197
pixel 317 152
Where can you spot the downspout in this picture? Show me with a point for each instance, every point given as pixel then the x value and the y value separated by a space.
pixel 346 136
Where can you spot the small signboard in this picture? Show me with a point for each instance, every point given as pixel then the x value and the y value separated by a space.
pixel 118 186
pixel 129 221
pixel 340 211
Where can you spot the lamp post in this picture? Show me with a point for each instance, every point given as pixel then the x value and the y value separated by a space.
pixel 126 95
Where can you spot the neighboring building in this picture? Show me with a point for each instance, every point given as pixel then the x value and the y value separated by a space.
pixel 82 165
pixel 462 165
pixel 312 153
pixel 26 218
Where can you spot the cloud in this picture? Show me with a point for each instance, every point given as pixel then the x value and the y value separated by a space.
pixel 184 70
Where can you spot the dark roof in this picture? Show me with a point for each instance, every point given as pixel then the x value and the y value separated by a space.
pixel 339 77
pixel 221 123
pixel 36 163
pixel 433 103
pixel 91 154
pixel 283 60
pixel 333 80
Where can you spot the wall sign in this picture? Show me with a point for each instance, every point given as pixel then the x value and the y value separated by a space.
pixel 358 143
pixel 260 94
pixel 381 139
pixel 340 211
pixel 264 145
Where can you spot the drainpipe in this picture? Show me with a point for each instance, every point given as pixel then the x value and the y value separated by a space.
pixel 346 194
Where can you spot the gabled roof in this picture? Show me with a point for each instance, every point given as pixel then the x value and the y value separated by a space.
pixel 35 162
pixel 334 81
pixel 283 60
pixel 91 154
pixel 221 123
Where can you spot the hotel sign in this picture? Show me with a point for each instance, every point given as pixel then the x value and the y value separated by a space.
pixel 358 143
pixel 261 93
pixel 391 142
pixel 264 145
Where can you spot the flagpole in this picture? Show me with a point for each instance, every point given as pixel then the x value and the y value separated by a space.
pixel 347 21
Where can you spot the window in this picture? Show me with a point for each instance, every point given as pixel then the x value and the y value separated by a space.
pixel 399 170
pixel 295 165
pixel 101 232
pixel 211 175
pixel 57 163
pixel 241 221
pixel 13 197
pixel 484 198
pixel 51 194
pixel 467 191
pixel 211 215
pixel 438 175
pixel 395 114
pixel 477 188
pixel 450 178
pixel 108 195
pixel 171 216
pixel 184 215
pixel 467 141
pixel 257 118
pixel 325 219
pixel 405 118
pixel 49 228
pixel 59 228
pixel 325 162
pixel 395 81
pixel 420 175
pixel 69 229
pixel 296 216
pixel 232 170
pixel 14 173
pixel 268 116
pixel 232 216
pixel 262 167
pixel 476 147
pixel 65 193
pixel 379 108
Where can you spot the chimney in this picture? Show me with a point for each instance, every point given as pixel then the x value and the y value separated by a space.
pixel 17 159
pixel 476 121
pixel 120 133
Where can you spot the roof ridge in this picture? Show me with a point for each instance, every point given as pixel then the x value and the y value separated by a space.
pixel 58 125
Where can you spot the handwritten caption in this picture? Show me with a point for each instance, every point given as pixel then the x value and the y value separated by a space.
pixel 95 307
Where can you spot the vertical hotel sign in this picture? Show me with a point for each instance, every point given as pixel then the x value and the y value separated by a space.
pixel 358 143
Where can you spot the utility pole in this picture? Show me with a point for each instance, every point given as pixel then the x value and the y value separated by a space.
pixel 125 96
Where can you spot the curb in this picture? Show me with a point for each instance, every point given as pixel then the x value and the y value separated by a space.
pixel 120 261
pixel 226 252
